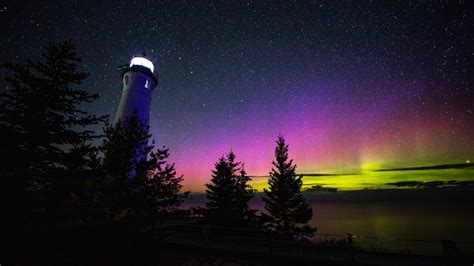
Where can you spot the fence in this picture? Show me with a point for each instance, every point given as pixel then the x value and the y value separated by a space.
pixel 256 240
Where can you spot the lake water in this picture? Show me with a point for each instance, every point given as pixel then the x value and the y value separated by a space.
pixel 395 220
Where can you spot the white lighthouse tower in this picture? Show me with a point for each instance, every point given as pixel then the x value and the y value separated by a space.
pixel 139 81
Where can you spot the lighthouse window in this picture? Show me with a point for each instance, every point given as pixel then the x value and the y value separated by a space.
pixel 126 80
pixel 147 84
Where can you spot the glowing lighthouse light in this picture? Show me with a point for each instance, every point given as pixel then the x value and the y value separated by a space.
pixel 142 61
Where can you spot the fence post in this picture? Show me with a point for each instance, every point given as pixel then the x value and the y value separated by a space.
pixel 349 239
pixel 351 247
pixel 270 244
pixel 449 248
pixel 205 234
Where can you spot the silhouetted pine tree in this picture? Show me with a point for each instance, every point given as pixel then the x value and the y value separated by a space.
pixel 162 187
pixel 139 182
pixel 228 194
pixel 121 150
pixel 244 194
pixel 125 146
pixel 47 128
pixel 288 213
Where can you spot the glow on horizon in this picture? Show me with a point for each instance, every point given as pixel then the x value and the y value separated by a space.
pixel 327 132
pixel 326 152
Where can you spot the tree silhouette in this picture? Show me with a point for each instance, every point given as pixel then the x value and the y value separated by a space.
pixel 48 129
pixel 161 187
pixel 288 213
pixel 228 194
pixel 139 183
pixel 244 194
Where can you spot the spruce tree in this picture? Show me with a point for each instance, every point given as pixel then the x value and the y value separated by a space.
pixel 228 194
pixel 139 182
pixel 288 213
pixel 121 147
pixel 161 187
pixel 244 194
pixel 43 114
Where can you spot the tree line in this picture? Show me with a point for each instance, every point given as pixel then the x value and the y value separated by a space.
pixel 57 171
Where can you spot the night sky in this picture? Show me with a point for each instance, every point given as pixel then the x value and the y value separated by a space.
pixel 354 86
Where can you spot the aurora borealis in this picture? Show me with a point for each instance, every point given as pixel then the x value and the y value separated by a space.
pixel 353 86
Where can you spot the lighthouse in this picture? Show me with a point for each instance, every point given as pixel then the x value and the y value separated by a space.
pixel 139 80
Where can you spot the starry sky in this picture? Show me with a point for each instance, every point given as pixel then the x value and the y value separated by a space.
pixel 354 86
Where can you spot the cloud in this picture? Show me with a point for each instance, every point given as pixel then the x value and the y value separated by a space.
pixel 311 174
pixel 432 184
pixel 432 167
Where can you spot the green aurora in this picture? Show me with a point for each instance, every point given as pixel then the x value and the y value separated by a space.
pixel 447 176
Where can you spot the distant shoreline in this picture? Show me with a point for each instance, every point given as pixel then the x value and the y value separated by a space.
pixel 376 195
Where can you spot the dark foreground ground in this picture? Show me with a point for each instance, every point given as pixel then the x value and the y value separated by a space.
pixel 113 247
